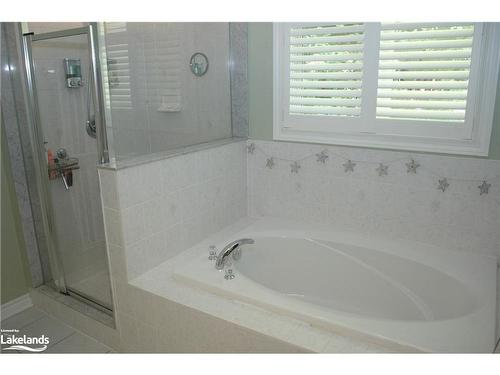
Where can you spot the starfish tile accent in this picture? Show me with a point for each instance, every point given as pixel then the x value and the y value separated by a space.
pixel 251 148
pixel 349 166
pixel 382 170
pixel 294 167
pixel 322 157
pixel 484 188
pixel 270 163
pixel 412 166
pixel 443 184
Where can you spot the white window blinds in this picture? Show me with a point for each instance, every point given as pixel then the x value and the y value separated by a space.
pixel 326 69
pixel 118 72
pixel 424 71
pixel 419 86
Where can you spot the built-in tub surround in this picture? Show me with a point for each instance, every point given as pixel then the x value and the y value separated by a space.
pixel 413 294
pixel 154 228
pixel 157 312
pixel 154 312
pixel 154 211
pixel 401 205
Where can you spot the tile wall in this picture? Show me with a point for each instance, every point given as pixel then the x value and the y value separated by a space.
pixel 154 211
pixel 157 103
pixel 397 205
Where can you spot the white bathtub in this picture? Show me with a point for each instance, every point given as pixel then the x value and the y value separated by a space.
pixel 409 294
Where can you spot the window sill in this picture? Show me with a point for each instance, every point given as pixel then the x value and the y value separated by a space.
pixel 403 143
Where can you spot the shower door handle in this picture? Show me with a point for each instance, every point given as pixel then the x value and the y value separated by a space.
pixel 98 120
pixel 90 123
pixel 90 126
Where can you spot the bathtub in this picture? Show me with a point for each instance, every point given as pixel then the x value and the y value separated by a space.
pixel 394 293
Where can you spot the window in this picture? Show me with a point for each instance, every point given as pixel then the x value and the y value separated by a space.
pixel 118 93
pixel 412 86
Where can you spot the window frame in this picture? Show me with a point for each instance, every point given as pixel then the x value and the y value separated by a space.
pixel 472 137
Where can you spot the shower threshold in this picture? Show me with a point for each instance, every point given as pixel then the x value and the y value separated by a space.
pixel 45 293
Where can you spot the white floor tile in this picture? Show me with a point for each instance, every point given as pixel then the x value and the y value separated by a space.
pixel 63 339
pixel 48 326
pixel 78 343
pixel 23 319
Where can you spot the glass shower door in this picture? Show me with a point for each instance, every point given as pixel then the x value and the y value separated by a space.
pixel 63 93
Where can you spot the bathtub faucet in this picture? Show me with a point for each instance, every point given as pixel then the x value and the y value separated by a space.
pixel 233 248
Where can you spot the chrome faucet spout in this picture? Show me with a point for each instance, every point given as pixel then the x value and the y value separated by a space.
pixel 233 248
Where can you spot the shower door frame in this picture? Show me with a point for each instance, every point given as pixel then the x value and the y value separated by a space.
pixel 36 130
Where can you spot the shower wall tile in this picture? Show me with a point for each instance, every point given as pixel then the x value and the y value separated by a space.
pixel 156 102
pixel 401 205
pixel 156 210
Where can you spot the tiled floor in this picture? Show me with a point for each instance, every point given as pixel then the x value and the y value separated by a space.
pixel 63 339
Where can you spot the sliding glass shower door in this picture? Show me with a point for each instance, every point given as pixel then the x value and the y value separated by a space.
pixel 70 138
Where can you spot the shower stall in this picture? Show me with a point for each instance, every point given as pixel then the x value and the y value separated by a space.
pixel 64 90
pixel 104 95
